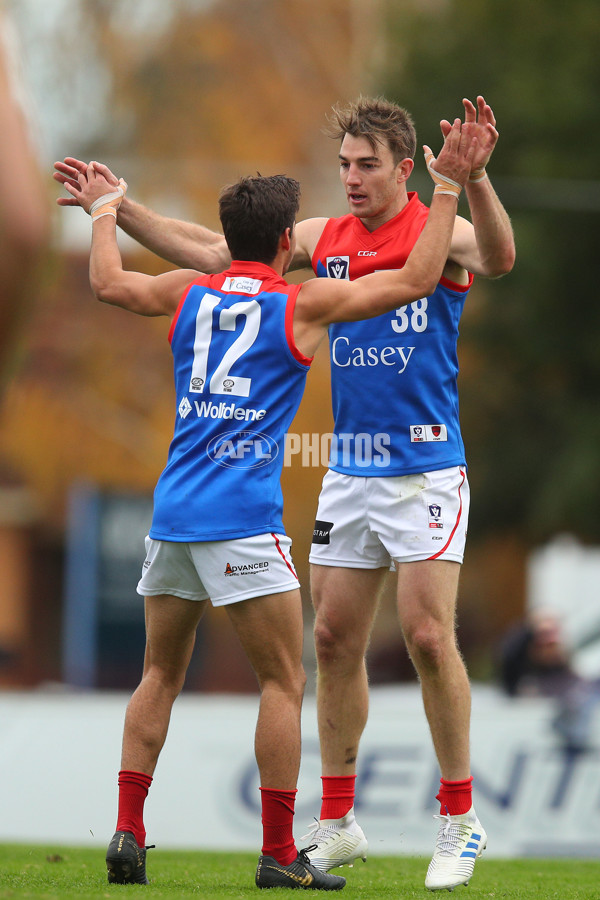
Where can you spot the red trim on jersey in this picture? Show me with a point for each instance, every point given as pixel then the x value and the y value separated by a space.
pixel 282 554
pixel 463 288
pixel 289 328
pixel 179 307
pixel 458 518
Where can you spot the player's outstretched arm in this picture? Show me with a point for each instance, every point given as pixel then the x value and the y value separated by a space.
pixel 182 243
pixel 134 291
pixel 325 300
pixel 487 246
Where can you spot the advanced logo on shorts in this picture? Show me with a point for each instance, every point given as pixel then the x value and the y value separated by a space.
pixel 242 449
pixel 247 568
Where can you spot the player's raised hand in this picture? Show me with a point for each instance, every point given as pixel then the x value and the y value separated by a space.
pixel 95 193
pixel 480 122
pixel 68 172
pixel 453 165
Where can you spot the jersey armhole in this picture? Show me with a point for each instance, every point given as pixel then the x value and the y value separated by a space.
pixel 454 286
pixel 289 328
pixel 315 257
pixel 180 307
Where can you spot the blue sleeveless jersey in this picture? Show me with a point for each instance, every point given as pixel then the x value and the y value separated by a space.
pixel 394 377
pixel 239 380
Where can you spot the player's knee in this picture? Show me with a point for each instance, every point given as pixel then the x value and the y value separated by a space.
pixel 428 647
pixel 168 681
pixel 290 682
pixel 337 646
pixel 327 641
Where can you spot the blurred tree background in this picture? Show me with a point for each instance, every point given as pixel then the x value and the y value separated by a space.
pixel 530 401
pixel 182 97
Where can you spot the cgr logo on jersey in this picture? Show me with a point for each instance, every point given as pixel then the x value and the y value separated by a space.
pixel 367 253
pixel 338 267
pixel 242 449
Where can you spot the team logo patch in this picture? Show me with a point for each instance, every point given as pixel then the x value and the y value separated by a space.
pixel 435 516
pixel 428 433
pixel 322 532
pixel 338 267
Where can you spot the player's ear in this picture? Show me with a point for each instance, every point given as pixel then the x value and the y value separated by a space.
pixel 286 239
pixel 404 168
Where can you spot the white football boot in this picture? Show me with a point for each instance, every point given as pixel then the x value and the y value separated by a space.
pixel 460 841
pixel 336 842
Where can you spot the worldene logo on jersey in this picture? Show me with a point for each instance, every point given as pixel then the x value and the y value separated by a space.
pixel 338 267
pixel 242 449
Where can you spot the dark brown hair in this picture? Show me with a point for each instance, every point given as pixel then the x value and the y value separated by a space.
pixel 254 213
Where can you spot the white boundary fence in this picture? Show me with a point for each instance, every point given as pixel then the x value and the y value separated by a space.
pixel 59 757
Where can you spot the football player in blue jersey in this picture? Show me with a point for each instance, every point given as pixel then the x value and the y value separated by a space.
pixel 217 535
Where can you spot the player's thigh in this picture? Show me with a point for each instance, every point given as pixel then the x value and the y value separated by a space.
pixel 426 595
pixel 171 624
pixel 270 629
pixel 345 602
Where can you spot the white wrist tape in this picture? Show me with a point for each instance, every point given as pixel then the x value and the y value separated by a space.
pixel 108 204
pixel 477 175
pixel 443 184
pixel 104 211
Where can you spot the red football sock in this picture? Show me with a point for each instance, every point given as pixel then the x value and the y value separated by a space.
pixel 277 819
pixel 455 797
pixel 133 790
pixel 338 795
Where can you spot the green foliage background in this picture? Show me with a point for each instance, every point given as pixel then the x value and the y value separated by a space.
pixel 530 403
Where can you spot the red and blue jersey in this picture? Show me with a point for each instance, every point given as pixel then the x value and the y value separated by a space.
pixel 393 377
pixel 239 379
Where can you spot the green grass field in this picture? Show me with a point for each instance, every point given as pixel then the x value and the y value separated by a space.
pixel 56 872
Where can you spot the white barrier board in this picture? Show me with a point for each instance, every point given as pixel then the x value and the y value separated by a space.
pixel 59 758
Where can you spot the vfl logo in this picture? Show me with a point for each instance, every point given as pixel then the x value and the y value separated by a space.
pixel 338 267
pixel 242 449
pixel 196 385
pixel 228 384
pixel 435 516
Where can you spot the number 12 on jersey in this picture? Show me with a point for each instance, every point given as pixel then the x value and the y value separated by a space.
pixel 222 380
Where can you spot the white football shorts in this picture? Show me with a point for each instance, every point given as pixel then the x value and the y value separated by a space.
pixel 222 571
pixel 367 523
